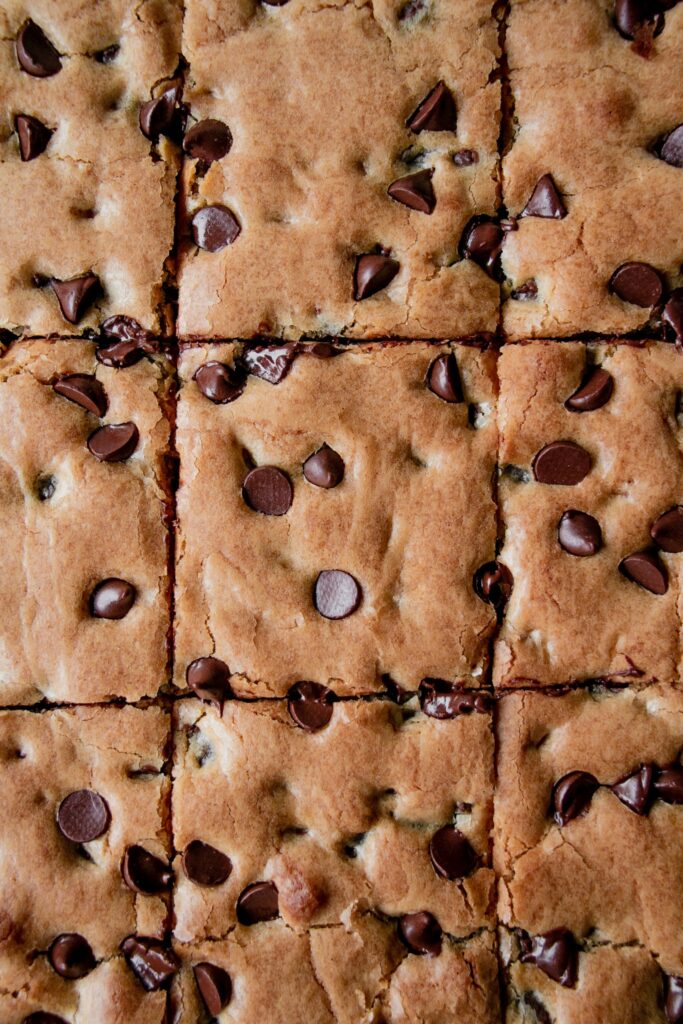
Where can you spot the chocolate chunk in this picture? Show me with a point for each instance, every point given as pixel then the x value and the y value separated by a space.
pixel 673 998
pixel 71 957
pixel 214 227
pixel 526 292
pixel 672 315
pixel 672 147
pixel 579 534
pixel 159 115
pixel 572 796
pixel 443 378
pixel 594 391
pixel 561 462
pixel 270 364
pixel 545 200
pixel 493 582
pixel 210 680
pixel 214 986
pixel 635 789
pixel 75 296
pixel 637 283
pixel 373 272
pixel 258 902
pixel 465 157
pixel 441 699
pixel 631 16
pixel 112 599
pixel 415 191
pixel 83 816
pixel 324 468
pixel 667 530
pixel 151 963
pixel 336 594
pixel 145 873
pixel 668 785
pixel 482 242
pixel 421 933
pixel 130 341
pixel 647 570
pixel 219 382
pixel 452 854
pixel 310 705
pixel 41 1017
pixel 33 136
pixel 269 490
pixel 555 952
pixel 115 442
pixel 436 112
pixel 207 140
pixel 35 52
pixel 85 390
pixel 204 864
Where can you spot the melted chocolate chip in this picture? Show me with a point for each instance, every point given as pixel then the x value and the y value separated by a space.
pixel 373 272
pixel 667 530
pixel 151 963
pixel 572 796
pixel 218 382
pixel 75 296
pixel 46 487
pixel 112 599
pixel 214 227
pixel 637 283
pixel 214 986
pixel 493 583
pixel 555 952
pixel 114 442
pixel 435 113
pixel 83 816
pixel 108 55
pixel 421 933
pixel 443 700
pixel 33 136
pixel 672 315
pixel 632 16
pixel 443 378
pixel 71 957
pixel 647 570
pixel 210 680
pixel 310 705
pixel 83 389
pixel 526 292
pixel 465 157
pixel 336 594
pixel 482 242
pixel 35 52
pixel 545 200
pixel 42 1017
pixel 324 468
pixel 258 902
pixel 270 364
pixel 159 116
pixel 579 534
pixel 668 785
pixel 143 872
pixel 415 191
pixel 672 147
pixel 128 343
pixel 205 865
pixel 268 490
pixel 673 998
pixel 208 140
pixel 594 391
pixel 452 854
pixel 635 789
pixel 561 462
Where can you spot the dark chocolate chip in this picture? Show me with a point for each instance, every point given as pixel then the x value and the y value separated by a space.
pixel 83 816
pixel 545 201
pixel 324 468
pixel 219 382
pixel 85 390
pixel 668 785
pixel 526 292
pixel 561 462
pixel 129 342
pixel 594 391
pixel 114 442
pixel 667 530
pixel 493 583
pixel 151 963
pixel 421 933
pixel 443 378
pixel 452 854
pixel 572 795
pixel 42 1017
pixel 415 191
pixel 270 364
pixel 673 998
pixel 108 55
pixel 672 147
pixel 258 902
pixel 214 227
pixel 75 296
pixel 672 315
pixel 210 680
pixel 414 10
pixel 214 986
pixel 637 283
pixel 336 594
pixel 207 140
pixel 70 956
pixel 46 487
pixel 143 872
pixel 647 570
pixel 33 136
pixel 204 864
pixel 482 242
pixel 268 490
pixel 555 952
pixel 112 599
pixel 635 789
pixel 158 116
pixel 579 534
pixel 373 273
pixel 435 113
pixel 465 157
pixel 35 52
pixel 443 700
pixel 310 705
pixel 631 16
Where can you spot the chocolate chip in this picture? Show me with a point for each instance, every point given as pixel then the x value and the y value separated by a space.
pixel 207 140
pixel 115 442
pixel 421 933
pixel 561 462
pixel 83 389
pixel 465 157
pixel 130 341
pixel 71 957
pixel 526 292
pixel 555 952
pixel 83 816
pixel 635 790
pixel 336 594
pixel 219 382
pixel 631 16
pixel 35 52
pixel 452 854
pixel 270 364
pixel 545 201
pixel 268 490
pixel 443 700
pixel 33 136
pixel 204 864
pixel 373 273
pixel 214 227
pixel 493 582
pixel 673 998
pixel 436 112
pixel 667 530
pixel 443 378
pixel 324 468
pixel 46 487
pixel 210 680
pixel 482 242
pixel 413 11
pixel 579 534
pixel 594 391
pixel 647 570
pixel 143 872
pixel 108 55
pixel 310 705
pixel 415 191
pixel 672 315
pixel 214 986
pixel 75 296
pixel 158 116
pixel 572 796
pixel 672 147
pixel 151 963
pixel 258 902
pixel 668 785
pixel 112 599
pixel 41 1017
pixel 637 283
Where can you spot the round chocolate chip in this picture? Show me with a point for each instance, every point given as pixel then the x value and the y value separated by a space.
pixel 435 113
pixel 207 140
pixel 579 534
pixel 631 16
pixel 324 468
pixel 673 998
pixel 114 442
pixel 219 382
pixel 83 816
pixel 443 700
pixel 555 952
pixel 151 963
pixel 594 391
pixel 112 599
pixel 561 462
pixel 85 390
pixel 71 956
pixel 647 570
pixel 35 52
pixel 269 490
pixel 336 594
pixel 672 147
pixel 210 680
pixel 258 902
pixel 635 790
pixel 452 854
pixel 443 378
pixel 310 705
pixel 373 272
pixel 33 136
pixel 482 242
pixel 668 785
pixel 75 296
pixel 637 283
pixel 214 986
pixel 204 864
pixel 415 191
pixel 214 227
pixel 572 796
pixel 421 933
pixel 143 872
pixel 493 583
pixel 545 200
pixel 667 530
